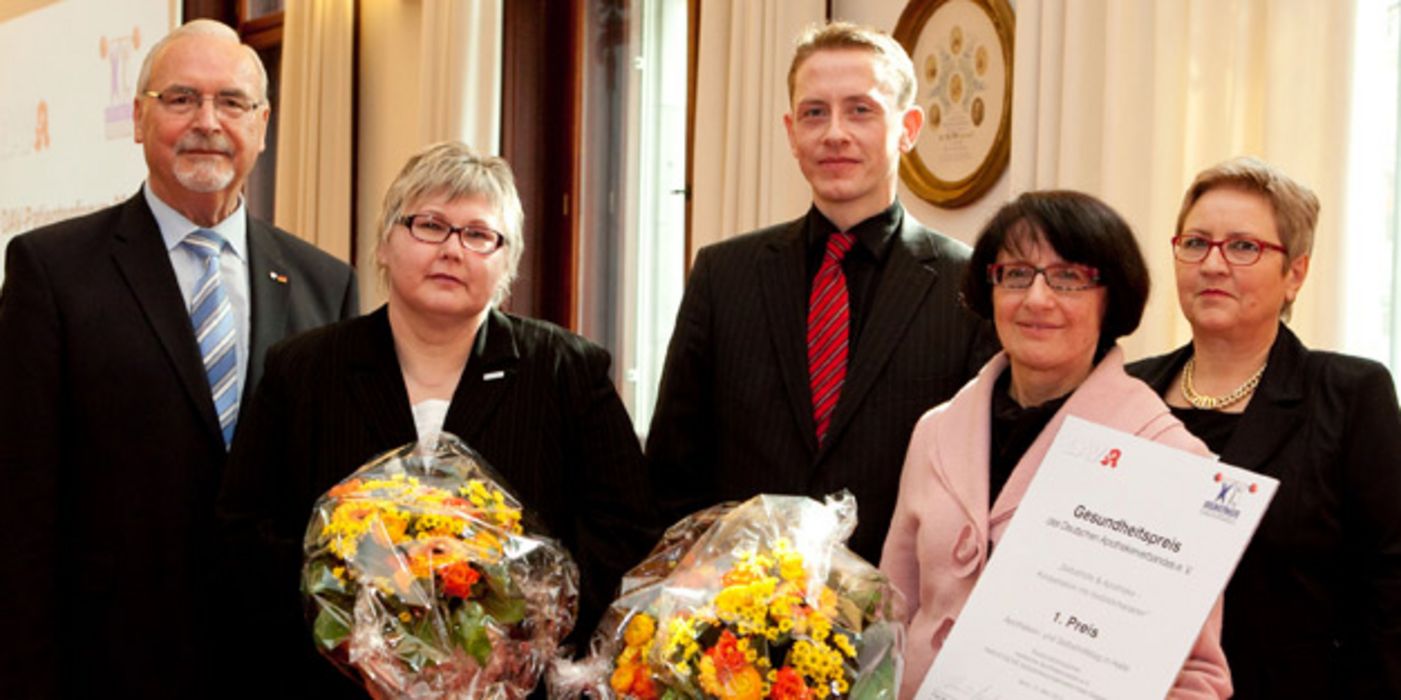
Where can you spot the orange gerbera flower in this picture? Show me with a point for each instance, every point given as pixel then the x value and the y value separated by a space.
pixel 344 488
pixel 726 653
pixel 727 674
pixel 789 685
pixel 458 579
pixel 634 681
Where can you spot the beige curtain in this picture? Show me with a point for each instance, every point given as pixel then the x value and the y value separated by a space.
pixel 314 137
pixel 1128 99
pixel 744 175
pixel 461 79
pixel 430 70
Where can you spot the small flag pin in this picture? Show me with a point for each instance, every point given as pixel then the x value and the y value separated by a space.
pixel 277 277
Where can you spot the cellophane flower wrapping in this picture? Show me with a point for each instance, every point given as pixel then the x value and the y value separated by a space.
pixel 424 578
pixel 748 602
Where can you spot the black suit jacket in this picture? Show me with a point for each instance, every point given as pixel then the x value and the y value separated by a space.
pixel 537 404
pixel 112 453
pixel 1314 608
pixel 734 412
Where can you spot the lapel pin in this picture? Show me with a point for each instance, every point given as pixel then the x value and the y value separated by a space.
pixel 277 277
pixel 492 376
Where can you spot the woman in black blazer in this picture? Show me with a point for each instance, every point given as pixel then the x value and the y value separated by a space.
pixel 535 400
pixel 1314 608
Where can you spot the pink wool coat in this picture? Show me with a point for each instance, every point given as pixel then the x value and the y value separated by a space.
pixel 939 538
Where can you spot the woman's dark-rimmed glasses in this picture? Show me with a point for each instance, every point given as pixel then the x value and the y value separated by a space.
pixel 1062 277
pixel 478 239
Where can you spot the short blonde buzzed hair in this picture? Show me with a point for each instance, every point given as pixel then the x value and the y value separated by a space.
pixel 894 69
pixel 1295 206
pixel 451 169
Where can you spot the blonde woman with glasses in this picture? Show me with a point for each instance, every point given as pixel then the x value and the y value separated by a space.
pixel 534 399
pixel 1314 608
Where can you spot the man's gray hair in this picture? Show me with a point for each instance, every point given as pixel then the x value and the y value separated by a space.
pixel 452 170
pixel 202 27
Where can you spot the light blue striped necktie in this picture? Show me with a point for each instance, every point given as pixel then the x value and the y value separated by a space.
pixel 213 320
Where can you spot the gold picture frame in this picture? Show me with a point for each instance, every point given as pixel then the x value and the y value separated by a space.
pixel 962 52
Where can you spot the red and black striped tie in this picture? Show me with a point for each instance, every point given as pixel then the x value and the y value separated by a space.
pixel 828 322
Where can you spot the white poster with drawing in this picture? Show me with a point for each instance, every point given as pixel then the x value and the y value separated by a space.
pixel 66 92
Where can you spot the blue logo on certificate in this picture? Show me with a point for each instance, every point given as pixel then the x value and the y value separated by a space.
pixel 1225 494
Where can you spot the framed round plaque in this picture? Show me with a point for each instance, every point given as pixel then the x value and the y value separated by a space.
pixel 962 51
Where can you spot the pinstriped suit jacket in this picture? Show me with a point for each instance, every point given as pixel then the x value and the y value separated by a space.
pixel 734 413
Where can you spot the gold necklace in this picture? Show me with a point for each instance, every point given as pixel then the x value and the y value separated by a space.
pixel 1213 403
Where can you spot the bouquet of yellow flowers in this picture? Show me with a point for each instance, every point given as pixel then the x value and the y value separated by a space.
pixel 422 581
pixel 757 601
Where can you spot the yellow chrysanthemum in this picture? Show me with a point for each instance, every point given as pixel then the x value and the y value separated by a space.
pixel 639 630
pixel 844 644
pixel 790 567
pixel 681 633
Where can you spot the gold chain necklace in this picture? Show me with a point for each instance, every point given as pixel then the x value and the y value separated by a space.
pixel 1212 403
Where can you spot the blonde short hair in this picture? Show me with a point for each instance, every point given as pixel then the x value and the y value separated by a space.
pixel 453 170
pixel 1295 206
pixel 894 69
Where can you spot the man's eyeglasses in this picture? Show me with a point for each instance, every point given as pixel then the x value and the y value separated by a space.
pixel 185 101
pixel 1193 248
pixel 1062 277
pixel 478 239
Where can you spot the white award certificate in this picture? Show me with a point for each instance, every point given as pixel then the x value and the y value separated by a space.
pixel 1101 583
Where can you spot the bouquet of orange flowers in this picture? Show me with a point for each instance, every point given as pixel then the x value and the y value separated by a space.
pixel 748 602
pixel 422 581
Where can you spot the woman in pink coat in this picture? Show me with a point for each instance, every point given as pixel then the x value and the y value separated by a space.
pixel 1061 277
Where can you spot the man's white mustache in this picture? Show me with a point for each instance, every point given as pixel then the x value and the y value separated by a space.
pixel 196 143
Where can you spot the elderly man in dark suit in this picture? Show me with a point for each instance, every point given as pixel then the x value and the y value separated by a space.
pixel 128 339
pixel 804 353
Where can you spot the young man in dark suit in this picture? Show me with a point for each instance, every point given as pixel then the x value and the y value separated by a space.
pixel 804 353
pixel 128 339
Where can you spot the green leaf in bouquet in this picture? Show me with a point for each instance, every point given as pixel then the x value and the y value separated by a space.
pixel 469 631
pixel 320 580
pixel 498 581
pixel 878 684
pixel 411 651
pixel 505 611
pixel 499 598
pixel 416 646
pixel 331 627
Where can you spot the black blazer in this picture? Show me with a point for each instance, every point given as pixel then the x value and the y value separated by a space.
pixel 537 404
pixel 1314 608
pixel 111 452
pixel 734 413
